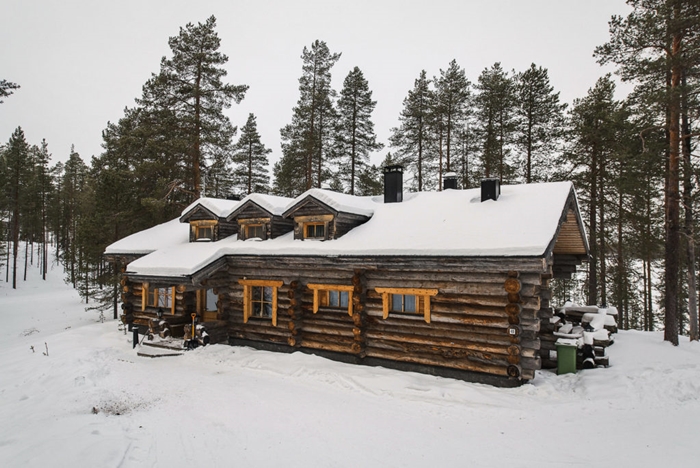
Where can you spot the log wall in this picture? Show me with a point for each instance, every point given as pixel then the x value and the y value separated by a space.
pixel 486 318
pixel 484 322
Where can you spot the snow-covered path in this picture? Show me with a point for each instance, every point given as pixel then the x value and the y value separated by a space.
pixel 229 406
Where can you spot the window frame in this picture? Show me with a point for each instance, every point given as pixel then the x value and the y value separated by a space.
pixel 147 293
pixel 247 297
pixel 315 226
pixel 198 226
pixel 244 224
pixel 420 293
pixel 248 227
pixel 313 220
pixel 320 289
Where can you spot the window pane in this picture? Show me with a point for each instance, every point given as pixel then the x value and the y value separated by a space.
pixel 396 302
pixel 267 310
pixel 310 230
pixel 343 299
pixel 257 309
pixel 409 303
pixel 333 298
pixel 267 294
pixel 255 230
pixel 211 300
pixel 320 231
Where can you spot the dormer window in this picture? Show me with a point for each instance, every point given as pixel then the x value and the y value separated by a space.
pixel 255 230
pixel 315 231
pixel 314 227
pixel 203 231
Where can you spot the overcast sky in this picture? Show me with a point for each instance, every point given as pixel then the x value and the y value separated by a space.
pixel 80 62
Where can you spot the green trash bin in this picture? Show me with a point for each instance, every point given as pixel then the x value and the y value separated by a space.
pixel 566 358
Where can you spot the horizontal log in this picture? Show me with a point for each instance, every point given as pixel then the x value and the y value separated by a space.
pixel 267 338
pixel 326 338
pixel 325 346
pixel 406 338
pixel 445 287
pixel 456 332
pixel 531 363
pixel 253 327
pixel 436 360
pixel 410 349
pixel 310 327
pixel 465 299
pixel 248 265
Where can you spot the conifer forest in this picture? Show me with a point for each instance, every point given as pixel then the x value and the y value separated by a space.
pixel 633 160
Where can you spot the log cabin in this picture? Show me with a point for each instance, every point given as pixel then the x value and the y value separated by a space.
pixel 452 283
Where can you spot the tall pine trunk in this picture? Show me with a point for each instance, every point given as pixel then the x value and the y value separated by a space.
pixel 592 217
pixel 672 250
pixel 688 207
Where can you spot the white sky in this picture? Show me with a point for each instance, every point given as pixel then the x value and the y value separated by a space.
pixel 80 62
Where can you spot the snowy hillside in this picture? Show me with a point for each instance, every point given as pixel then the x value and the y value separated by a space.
pixel 93 403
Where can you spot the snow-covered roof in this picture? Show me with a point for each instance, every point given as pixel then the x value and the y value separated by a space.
pixel 144 242
pixel 219 207
pixel 523 222
pixel 273 204
pixel 339 201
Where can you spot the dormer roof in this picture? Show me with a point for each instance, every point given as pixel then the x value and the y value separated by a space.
pixel 270 204
pixel 335 202
pixel 212 208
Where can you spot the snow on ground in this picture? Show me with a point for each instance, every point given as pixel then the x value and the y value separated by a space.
pixel 231 406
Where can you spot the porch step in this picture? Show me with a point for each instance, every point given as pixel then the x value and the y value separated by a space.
pixel 160 348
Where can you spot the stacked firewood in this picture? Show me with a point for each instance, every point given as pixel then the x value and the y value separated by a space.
pixel 592 328
pixel 208 332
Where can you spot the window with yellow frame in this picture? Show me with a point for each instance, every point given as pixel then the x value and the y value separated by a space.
pixel 260 299
pixel 406 301
pixel 336 296
pixel 203 230
pixel 255 231
pixel 162 298
pixel 315 231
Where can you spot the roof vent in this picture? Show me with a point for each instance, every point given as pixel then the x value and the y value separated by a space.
pixel 449 181
pixel 393 184
pixel 490 189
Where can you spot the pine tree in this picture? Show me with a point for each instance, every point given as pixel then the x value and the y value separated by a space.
pixel 653 45
pixel 355 133
pixel 16 168
pixel 7 88
pixel 539 121
pixel 412 138
pixel 594 135
pixel 45 188
pixel 451 103
pixel 74 181
pixel 306 141
pixel 369 181
pixel 495 114
pixel 250 157
pixel 187 98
